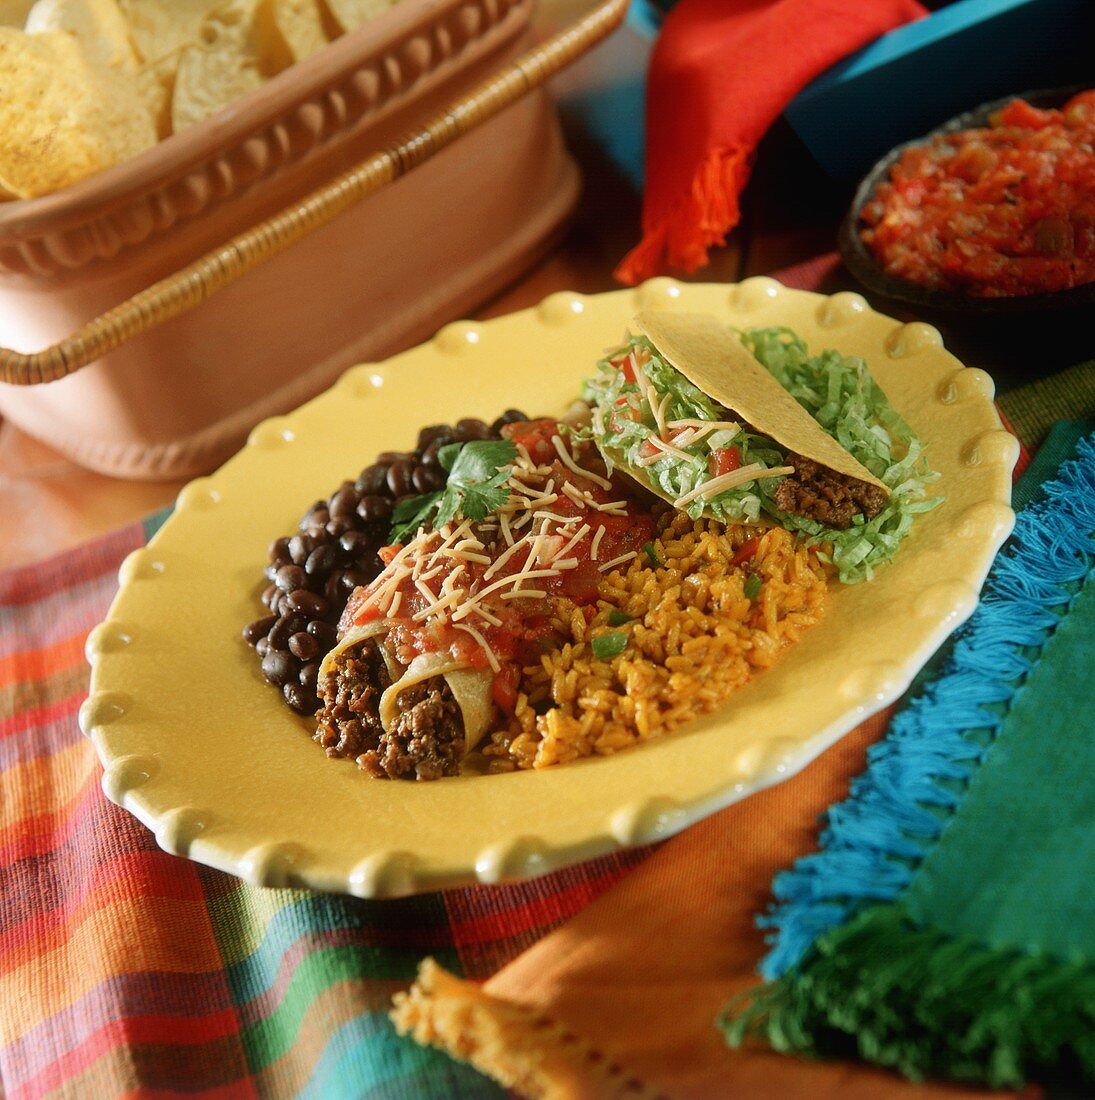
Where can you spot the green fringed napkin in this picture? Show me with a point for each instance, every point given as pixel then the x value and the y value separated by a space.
pixel 947 925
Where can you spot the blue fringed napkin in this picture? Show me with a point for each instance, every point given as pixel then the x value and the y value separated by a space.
pixel 947 925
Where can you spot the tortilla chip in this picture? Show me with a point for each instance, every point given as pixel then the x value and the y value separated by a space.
pixel 97 25
pixel 300 25
pixel 63 117
pixel 161 28
pixel 239 48
pixel 711 357
pixel 13 13
pixel 351 14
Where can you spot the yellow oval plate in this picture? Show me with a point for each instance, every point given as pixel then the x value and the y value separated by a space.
pixel 198 747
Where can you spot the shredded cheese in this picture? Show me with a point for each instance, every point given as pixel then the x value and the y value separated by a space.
pixel 595 545
pixel 753 472
pixel 568 461
pixel 491 658
pixel 618 561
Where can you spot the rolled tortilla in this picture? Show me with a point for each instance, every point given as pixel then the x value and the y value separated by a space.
pixel 470 687
pixel 376 629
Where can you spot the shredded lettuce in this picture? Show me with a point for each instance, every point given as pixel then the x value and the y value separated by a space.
pixel 838 392
pixel 626 421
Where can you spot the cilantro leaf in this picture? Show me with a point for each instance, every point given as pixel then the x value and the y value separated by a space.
pixel 618 618
pixel 476 486
pixel 477 480
pixel 752 586
pixel 410 513
pixel 447 455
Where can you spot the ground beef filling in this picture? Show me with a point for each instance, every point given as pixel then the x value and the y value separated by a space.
pixel 821 494
pixel 348 724
pixel 426 740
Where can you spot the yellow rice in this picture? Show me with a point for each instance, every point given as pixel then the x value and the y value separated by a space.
pixel 695 638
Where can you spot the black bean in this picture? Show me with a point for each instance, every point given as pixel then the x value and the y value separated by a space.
pixel 268 594
pixel 399 477
pixel 373 479
pixel 435 431
pixel 290 577
pixel 324 633
pixel 321 561
pixel 317 517
pixel 300 699
pixel 336 527
pixel 278 666
pixel 375 509
pixel 308 603
pixel 258 629
pixel 471 428
pixel 513 416
pixel 332 589
pixel 279 551
pixel 430 455
pixel 357 544
pixel 285 628
pixel 303 645
pixel 300 546
pixel 387 458
pixel 309 676
pixel 262 646
pixel 344 502
pixel 428 479
pixel 353 578
pixel 271 570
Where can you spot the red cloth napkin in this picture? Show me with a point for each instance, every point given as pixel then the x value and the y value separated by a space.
pixel 721 73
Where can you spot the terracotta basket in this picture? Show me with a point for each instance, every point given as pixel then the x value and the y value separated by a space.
pixel 296 277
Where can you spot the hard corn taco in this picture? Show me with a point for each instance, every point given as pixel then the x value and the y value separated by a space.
pixel 752 429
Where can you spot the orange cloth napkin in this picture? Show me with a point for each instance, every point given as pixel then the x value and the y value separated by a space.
pixel 622 999
pixel 721 73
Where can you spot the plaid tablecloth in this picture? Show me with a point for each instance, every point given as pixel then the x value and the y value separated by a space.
pixel 125 970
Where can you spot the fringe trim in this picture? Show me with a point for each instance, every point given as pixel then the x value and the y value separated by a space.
pixel 875 840
pixel 520 1048
pixel 920 1002
pixel 855 974
pixel 699 221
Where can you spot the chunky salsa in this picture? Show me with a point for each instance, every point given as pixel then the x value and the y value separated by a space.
pixel 1002 211
pixel 483 592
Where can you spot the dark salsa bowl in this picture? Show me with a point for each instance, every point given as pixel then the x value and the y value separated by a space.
pixel 863 265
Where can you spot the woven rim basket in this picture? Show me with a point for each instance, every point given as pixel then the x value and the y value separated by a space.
pixel 117 237
pixel 201 279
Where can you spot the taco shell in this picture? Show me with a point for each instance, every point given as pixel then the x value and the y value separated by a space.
pixel 711 357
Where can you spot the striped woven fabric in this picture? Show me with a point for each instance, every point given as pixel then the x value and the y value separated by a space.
pixel 125 968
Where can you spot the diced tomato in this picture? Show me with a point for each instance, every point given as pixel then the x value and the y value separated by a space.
pixel 1020 113
pixel 624 364
pixel 504 690
pixel 724 461
pixel 648 450
pixel 676 433
pixel 746 552
pixel 535 436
